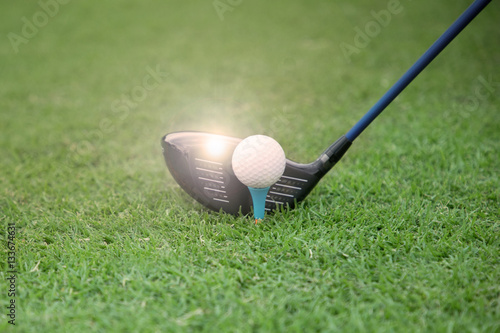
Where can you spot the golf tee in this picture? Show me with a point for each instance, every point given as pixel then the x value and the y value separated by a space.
pixel 259 196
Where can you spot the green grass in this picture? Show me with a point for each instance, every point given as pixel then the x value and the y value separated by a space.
pixel 403 235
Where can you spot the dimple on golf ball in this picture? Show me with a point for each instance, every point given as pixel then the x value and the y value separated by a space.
pixel 258 161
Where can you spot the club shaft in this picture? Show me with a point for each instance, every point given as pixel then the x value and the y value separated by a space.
pixel 417 67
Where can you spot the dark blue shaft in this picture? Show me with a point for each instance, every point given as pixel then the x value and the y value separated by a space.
pixel 417 67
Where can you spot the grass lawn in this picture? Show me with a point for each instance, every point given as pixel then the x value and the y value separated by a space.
pixel 402 235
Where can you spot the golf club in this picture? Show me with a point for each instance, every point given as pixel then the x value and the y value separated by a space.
pixel 201 162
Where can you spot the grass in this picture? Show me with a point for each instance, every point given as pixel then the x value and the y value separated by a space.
pixel 403 235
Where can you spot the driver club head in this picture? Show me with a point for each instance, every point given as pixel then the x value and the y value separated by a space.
pixel 201 164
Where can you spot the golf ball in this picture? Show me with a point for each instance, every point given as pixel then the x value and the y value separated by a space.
pixel 258 161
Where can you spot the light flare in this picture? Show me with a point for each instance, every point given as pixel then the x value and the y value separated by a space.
pixel 215 147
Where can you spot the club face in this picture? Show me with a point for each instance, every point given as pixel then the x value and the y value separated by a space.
pixel 201 165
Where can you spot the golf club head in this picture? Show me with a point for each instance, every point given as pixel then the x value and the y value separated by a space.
pixel 201 164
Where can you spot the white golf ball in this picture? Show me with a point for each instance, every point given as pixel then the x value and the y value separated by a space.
pixel 258 161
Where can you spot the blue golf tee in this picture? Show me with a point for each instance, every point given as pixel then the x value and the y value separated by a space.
pixel 259 201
